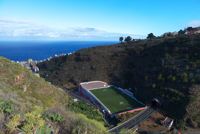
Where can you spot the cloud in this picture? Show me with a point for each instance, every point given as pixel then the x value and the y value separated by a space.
pixel 14 29
pixel 10 29
pixel 194 23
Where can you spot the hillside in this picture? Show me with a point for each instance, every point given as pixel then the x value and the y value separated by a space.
pixel 29 104
pixel 26 89
pixel 166 68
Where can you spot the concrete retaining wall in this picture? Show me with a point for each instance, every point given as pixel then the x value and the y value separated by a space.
pixel 94 99
pixel 128 93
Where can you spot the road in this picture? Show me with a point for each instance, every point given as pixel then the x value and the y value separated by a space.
pixel 132 122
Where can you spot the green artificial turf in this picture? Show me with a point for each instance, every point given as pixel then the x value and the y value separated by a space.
pixel 114 100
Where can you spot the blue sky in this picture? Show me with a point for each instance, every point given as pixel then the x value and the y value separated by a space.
pixel 94 19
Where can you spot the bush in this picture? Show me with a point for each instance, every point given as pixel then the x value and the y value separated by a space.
pixel 84 108
pixel 33 121
pixel 80 124
pixel 160 77
pixel 151 36
pixel 85 125
pixel 54 117
pixel 185 77
pixel 44 130
pixel 6 107
pixel 128 39
pixel 13 123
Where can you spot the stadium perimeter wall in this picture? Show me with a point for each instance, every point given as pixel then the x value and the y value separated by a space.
pixel 88 95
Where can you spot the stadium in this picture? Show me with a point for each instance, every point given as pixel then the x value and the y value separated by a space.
pixel 111 100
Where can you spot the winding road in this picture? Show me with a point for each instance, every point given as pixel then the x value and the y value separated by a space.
pixel 134 121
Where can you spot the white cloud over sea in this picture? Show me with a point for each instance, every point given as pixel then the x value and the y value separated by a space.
pixel 11 30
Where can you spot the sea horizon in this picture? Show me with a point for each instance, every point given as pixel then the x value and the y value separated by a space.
pixel 41 50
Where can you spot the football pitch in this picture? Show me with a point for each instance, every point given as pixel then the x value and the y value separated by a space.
pixel 115 100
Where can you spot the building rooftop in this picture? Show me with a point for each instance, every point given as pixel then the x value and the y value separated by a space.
pixel 93 85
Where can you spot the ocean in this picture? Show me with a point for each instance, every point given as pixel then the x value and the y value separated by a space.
pixel 23 50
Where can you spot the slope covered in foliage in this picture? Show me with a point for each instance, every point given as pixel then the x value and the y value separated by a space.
pixel 26 89
pixel 29 104
pixel 166 68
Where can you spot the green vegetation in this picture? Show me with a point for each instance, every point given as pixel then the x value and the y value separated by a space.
pixel 29 104
pixel 54 117
pixel 33 121
pixel 151 36
pixel 166 68
pixel 118 102
pixel 26 89
pixel 181 32
pixel 44 130
pixel 6 107
pixel 86 109
pixel 128 39
pixel 87 128
pixel 29 123
pixel 121 39
pixel 13 123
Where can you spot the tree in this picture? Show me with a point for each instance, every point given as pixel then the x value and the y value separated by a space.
pixel 190 29
pixel 121 39
pixel 151 36
pixel 181 32
pixel 169 34
pixel 128 39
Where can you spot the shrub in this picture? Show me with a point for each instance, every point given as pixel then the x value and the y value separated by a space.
pixel 80 124
pixel 33 121
pixel 151 36
pixel 128 39
pixel 185 77
pixel 54 117
pixel 153 85
pixel 160 77
pixel 173 78
pixel 82 107
pixel 85 125
pixel 13 123
pixel 44 130
pixel 6 107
